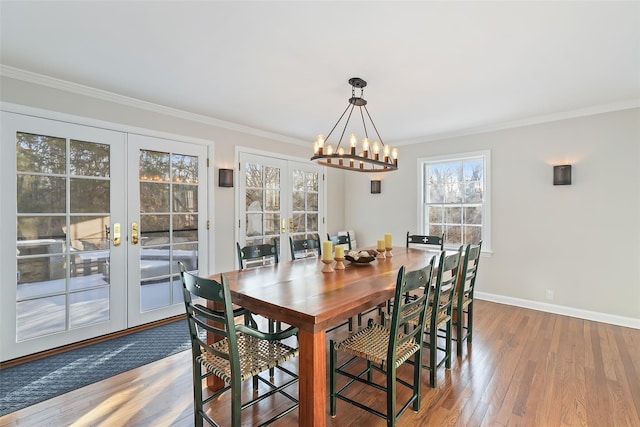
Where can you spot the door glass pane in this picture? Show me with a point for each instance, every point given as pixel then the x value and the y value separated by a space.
pixel 185 228
pixel 41 194
pixel 154 197
pixel 89 159
pixel 41 153
pixel 154 166
pixel 185 198
pixel 154 229
pixel 262 203
pixel 89 307
pixel 40 317
pixel 57 252
pixel 304 203
pixel 168 220
pixel 90 195
pixel 184 169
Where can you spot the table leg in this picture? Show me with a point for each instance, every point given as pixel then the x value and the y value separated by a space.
pixel 313 379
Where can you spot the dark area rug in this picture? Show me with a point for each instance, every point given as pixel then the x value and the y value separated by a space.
pixel 40 380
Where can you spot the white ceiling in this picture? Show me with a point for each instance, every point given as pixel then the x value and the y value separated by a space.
pixel 433 68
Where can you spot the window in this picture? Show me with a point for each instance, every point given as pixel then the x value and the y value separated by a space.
pixel 455 198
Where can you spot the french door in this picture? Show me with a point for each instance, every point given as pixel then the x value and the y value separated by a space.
pixel 93 224
pixel 279 199
pixel 167 223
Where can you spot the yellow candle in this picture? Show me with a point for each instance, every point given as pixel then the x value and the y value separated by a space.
pixel 339 251
pixel 327 250
pixel 388 242
pixel 381 245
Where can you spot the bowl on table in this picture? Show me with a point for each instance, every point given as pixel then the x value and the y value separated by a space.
pixel 363 257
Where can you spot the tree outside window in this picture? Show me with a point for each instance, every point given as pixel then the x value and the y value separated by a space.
pixel 455 198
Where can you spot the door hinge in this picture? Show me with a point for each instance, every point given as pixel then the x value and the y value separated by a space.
pixel 207 162
pixel 323 220
pixel 208 225
pixel 238 223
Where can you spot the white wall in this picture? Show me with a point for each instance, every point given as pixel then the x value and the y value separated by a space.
pixel 580 241
pixel 544 236
pixel 224 141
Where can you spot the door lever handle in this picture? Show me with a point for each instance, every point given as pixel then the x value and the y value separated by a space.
pixel 117 240
pixel 134 233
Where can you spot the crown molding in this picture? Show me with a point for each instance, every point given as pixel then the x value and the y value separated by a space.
pixel 64 85
pixel 529 121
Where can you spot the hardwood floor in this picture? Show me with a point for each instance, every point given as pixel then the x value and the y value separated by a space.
pixel 525 368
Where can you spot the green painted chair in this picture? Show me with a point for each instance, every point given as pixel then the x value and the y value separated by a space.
pixel 340 239
pixel 305 247
pixel 424 241
pixel 257 255
pixel 439 314
pixel 384 349
pixel 241 354
pixel 463 304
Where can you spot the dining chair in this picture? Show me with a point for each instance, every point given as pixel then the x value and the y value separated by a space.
pixel 384 349
pixel 341 239
pixel 439 314
pixel 252 256
pixel 463 304
pixel 305 247
pixel 425 241
pixel 242 353
pixel 257 255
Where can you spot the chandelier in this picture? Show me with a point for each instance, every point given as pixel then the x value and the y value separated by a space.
pixel 363 157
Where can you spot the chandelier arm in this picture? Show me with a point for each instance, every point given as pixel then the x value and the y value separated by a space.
pixel 364 124
pixel 374 125
pixel 334 126
pixel 354 161
pixel 344 129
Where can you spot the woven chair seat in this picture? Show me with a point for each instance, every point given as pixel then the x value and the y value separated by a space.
pixel 465 302
pixel 256 356
pixel 443 317
pixel 372 343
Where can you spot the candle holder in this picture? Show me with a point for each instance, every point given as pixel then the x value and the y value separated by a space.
pixel 380 254
pixel 327 266
pixel 339 263
pixel 389 254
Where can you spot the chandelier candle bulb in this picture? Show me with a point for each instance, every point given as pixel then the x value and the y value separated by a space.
pixel 327 250
pixel 358 156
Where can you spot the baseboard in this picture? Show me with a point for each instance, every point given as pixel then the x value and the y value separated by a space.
pixel 628 322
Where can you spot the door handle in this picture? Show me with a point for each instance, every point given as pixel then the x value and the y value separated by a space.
pixel 116 234
pixel 284 225
pixel 134 233
pixel 291 225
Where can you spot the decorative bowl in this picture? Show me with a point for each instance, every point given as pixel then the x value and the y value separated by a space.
pixel 363 257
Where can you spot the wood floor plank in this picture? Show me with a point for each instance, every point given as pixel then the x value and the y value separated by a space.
pixel 524 368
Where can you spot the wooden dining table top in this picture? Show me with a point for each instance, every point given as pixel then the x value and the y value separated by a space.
pixel 298 293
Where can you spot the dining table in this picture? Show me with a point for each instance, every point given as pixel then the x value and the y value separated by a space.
pixel 298 293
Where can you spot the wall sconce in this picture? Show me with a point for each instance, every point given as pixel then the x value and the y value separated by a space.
pixel 225 178
pixel 376 186
pixel 562 175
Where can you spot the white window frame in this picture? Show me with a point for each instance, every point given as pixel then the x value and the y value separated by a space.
pixel 485 155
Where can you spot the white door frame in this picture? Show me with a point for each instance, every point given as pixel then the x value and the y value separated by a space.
pixel 322 197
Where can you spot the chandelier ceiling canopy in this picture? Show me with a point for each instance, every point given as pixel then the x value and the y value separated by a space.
pixel 360 156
